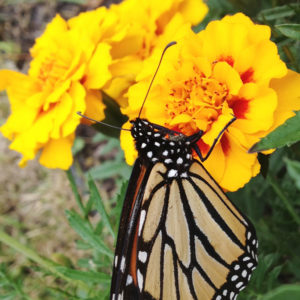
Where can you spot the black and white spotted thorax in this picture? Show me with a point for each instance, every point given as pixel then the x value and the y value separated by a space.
pixel 158 144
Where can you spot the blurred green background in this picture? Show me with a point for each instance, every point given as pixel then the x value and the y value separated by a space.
pixel 60 227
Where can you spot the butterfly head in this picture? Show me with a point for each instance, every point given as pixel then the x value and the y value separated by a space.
pixel 155 143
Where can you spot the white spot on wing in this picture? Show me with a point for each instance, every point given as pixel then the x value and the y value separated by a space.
pixel 157 144
pixel 143 145
pixel 168 160
pixel 122 267
pixel 128 280
pixel 150 154
pixel 165 153
pixel 116 260
pixel 172 173
pixel 234 278
pixel 143 256
pixel 142 220
pixel 140 279
pixel 184 175
pixel 179 160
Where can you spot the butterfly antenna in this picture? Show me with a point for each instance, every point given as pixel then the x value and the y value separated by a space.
pixel 162 55
pixel 102 123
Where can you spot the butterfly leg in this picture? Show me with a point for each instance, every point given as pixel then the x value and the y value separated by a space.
pixel 196 148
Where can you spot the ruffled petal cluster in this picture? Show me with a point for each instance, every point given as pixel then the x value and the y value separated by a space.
pixel 73 61
pixel 230 69
pixel 148 26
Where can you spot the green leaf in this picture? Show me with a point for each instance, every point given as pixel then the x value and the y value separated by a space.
pixel 284 292
pixel 84 229
pixel 99 137
pixel 278 12
pixel 290 30
pixel 109 169
pixel 95 196
pixel 293 168
pixel 85 276
pixel 119 203
pixel 78 145
pixel 285 135
pixel 75 190
pixel 110 145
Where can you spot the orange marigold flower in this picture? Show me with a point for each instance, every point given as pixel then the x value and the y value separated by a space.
pixel 146 26
pixel 230 68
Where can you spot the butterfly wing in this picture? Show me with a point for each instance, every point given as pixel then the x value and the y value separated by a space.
pixel 190 241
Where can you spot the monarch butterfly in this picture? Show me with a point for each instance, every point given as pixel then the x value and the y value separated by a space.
pixel 180 237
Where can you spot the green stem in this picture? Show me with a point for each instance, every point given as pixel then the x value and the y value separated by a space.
pixel 283 198
pixel 75 191
pixel 31 254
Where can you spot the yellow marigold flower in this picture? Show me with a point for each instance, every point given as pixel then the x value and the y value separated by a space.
pixel 146 26
pixel 230 68
pixel 73 60
pixel 67 70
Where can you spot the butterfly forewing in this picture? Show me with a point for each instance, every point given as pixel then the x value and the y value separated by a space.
pixel 182 237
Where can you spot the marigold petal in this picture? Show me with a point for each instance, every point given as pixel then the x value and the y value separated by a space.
pixel 193 10
pixel 98 73
pixel 267 64
pixel 183 118
pixel 287 89
pixel 8 77
pixel 58 24
pixel 136 95
pixel 261 104
pixel 128 145
pixel 19 121
pixel 240 166
pixel 77 94
pixel 117 89
pixel 61 112
pixel 217 127
pixel 57 153
pixel 94 106
pixel 227 75
pixel 56 94
pixel 215 164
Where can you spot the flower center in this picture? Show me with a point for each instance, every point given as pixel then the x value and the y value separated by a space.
pixel 52 71
pixel 200 98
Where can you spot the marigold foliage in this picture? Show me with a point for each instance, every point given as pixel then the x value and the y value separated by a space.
pixel 73 61
pixel 229 69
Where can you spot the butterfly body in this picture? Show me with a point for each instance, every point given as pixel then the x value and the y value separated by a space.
pixel 180 237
